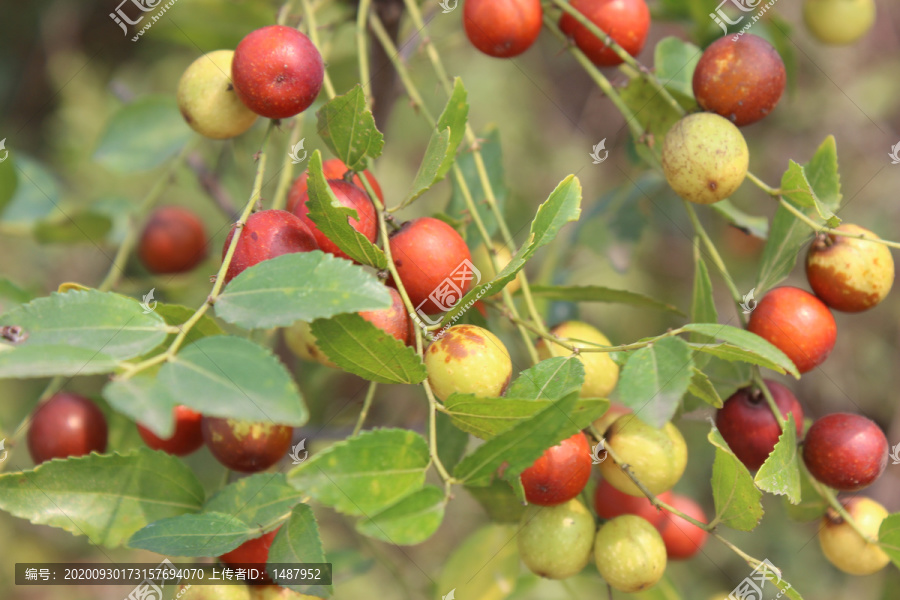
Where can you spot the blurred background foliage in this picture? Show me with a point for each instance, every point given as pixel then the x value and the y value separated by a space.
pixel 66 69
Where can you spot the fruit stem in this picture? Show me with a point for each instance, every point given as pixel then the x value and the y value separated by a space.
pixel 764 389
pixel 716 258
pixel 831 498
pixel 286 176
pixel 822 229
pixel 367 403
pixel 309 15
pixel 627 58
pixel 762 185
pixel 753 562
pixel 117 268
pixel 413 92
pixel 362 48
pixel 432 439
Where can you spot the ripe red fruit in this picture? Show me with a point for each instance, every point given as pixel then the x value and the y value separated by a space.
pixel 740 80
pixel 66 425
pixel 502 28
pixel 186 438
pixel 796 322
pixel 277 72
pixel 611 503
pixel 748 425
pixel 560 474
pixel 427 251
pixel 244 445
pixel 250 554
pixel 333 168
pixel 173 241
pixel 394 320
pixel 626 21
pixel 352 197
pixel 267 234
pixel 682 538
pixel 844 451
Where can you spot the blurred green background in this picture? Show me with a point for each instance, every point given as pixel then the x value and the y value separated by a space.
pixel 66 68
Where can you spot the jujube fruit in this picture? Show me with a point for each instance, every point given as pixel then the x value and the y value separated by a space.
pixel 630 554
pixel 682 538
pixel 333 168
pixel 267 234
pixel 555 541
pixel 839 21
pixel 173 241
pixel 246 446
pixel 845 451
pixel 186 438
pixel 502 28
pixel 850 274
pixel 66 425
pixel 797 323
pixel 740 80
pixel 349 196
pixel 601 373
pixel 560 473
pixel 657 457
pixel 844 547
pixel 611 503
pixel 625 21
pixel 468 359
pixel 207 100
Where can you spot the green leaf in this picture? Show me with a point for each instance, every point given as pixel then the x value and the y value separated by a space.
pixel 675 61
pixel 889 536
pixel 175 315
pixel 50 360
pixel 550 379
pixel 144 399
pixel 563 206
pixel 9 181
pixel 410 521
pixel 520 445
pixel 596 293
pixel 454 117
pixel 332 218
pixel 103 322
pixel 797 189
pixel 301 286
pixel 358 346
pixel 347 127
pixel 36 195
pixel 299 542
pixel 749 224
pixel 78 227
pixel 492 157
pixel 142 135
pixel 226 376
pixel 484 567
pixel 499 501
pixel 737 499
pixel 745 340
pixel 488 417
pixel 655 378
pixel 702 388
pixel 780 474
pixel 703 305
pixel 811 507
pixel 731 352
pixel 451 441
pixel 436 153
pixel 822 174
pixel 655 115
pixel 261 501
pixel 104 497
pixel 365 474
pixel 205 534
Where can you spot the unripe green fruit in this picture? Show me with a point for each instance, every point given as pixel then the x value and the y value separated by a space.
pixel 207 99
pixel 705 158
pixel 555 541
pixel 601 373
pixel 468 360
pixel 300 340
pixel 630 554
pixel 843 546
pixel 187 591
pixel 657 457
pixel 839 21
